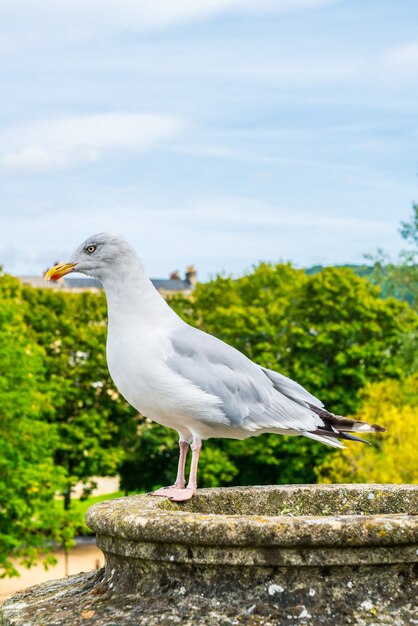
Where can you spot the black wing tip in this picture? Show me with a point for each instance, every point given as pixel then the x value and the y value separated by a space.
pixel 350 437
pixel 378 429
pixel 339 435
pixel 344 424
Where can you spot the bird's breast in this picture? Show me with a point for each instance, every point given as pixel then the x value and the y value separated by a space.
pixel 133 360
pixel 138 367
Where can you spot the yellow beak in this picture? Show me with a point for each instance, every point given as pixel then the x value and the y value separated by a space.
pixel 60 270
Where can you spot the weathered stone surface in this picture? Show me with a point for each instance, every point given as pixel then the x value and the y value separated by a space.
pixel 333 599
pixel 317 554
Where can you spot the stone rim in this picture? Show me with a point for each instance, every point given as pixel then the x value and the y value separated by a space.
pixel 150 520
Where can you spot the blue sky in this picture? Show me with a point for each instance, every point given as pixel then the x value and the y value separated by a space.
pixel 213 132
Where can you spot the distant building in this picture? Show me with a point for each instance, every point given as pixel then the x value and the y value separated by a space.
pixel 167 287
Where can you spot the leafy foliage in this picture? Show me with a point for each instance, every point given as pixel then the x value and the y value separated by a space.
pixel 332 332
pixel 400 278
pixel 94 423
pixel 61 418
pixel 28 475
pixel 393 457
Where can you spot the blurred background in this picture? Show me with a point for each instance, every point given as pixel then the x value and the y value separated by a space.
pixel 262 159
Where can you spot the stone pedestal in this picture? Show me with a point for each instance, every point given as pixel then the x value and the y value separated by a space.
pixel 315 554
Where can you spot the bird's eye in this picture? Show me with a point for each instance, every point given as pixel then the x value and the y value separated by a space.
pixel 90 249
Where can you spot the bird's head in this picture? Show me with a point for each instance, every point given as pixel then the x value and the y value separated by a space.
pixel 96 256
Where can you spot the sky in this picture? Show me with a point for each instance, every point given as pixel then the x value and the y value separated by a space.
pixel 217 133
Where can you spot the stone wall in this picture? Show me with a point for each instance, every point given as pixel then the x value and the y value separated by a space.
pixel 318 554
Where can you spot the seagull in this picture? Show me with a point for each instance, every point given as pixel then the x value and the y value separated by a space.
pixel 186 379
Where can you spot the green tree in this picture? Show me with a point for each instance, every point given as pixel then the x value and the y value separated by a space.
pixel 399 278
pixel 29 479
pixel 331 331
pixel 94 423
pixel 341 335
pixel 393 458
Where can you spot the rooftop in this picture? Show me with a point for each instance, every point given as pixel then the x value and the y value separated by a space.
pixel 174 284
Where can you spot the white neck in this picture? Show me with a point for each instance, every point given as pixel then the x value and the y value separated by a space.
pixel 131 296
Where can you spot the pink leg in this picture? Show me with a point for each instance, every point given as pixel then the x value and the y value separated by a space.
pixel 179 494
pixel 196 448
pixel 180 480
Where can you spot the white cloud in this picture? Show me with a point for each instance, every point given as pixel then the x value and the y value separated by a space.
pixel 156 14
pixel 238 213
pixel 219 233
pixel 161 13
pixel 402 61
pixel 306 70
pixel 64 142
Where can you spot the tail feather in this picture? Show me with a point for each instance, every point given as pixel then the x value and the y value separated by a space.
pixel 339 426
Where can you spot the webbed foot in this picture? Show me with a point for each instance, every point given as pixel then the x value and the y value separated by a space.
pixel 174 493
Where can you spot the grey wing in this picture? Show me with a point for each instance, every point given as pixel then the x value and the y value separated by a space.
pixel 292 389
pixel 250 398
